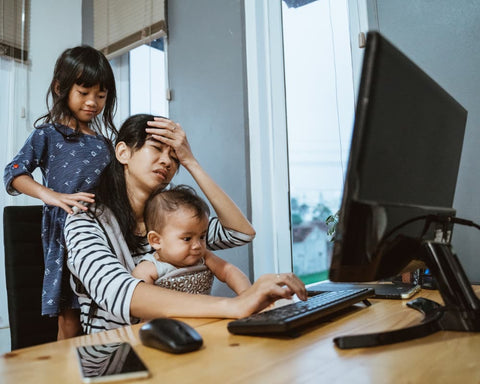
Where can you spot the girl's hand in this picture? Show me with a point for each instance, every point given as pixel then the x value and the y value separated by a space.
pixel 67 201
pixel 170 133
pixel 266 290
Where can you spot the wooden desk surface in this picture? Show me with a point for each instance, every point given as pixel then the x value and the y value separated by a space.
pixel 444 357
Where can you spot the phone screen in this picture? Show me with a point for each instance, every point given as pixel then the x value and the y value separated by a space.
pixel 109 362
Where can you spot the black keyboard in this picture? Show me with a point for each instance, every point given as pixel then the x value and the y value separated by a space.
pixel 287 319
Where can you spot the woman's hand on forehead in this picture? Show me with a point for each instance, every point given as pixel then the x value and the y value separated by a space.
pixel 170 133
pixel 163 122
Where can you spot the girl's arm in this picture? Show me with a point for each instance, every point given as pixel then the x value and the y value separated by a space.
pixel 227 211
pixel 227 273
pixel 25 184
pixel 18 177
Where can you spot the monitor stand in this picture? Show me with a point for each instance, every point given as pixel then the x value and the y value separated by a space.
pixel 461 311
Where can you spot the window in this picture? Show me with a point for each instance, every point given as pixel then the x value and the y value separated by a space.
pixel 148 85
pixel 14 29
pixel 319 104
pixel 132 36
pixel 301 74
pixel 141 79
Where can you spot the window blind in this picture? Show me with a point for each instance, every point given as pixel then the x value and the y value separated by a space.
pixel 121 25
pixel 14 28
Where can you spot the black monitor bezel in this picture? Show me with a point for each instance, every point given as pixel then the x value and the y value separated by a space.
pixel 356 255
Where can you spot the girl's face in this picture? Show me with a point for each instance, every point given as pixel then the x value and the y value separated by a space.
pixel 182 241
pixel 148 168
pixel 86 103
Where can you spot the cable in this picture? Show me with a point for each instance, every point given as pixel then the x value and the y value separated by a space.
pixel 469 223
pixel 429 219
pixel 401 225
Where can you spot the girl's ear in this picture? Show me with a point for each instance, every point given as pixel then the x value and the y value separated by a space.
pixel 155 240
pixel 123 152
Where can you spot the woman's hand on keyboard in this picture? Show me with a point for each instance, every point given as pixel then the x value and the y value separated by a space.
pixel 268 289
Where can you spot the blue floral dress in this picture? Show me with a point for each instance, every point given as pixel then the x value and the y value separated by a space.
pixel 69 164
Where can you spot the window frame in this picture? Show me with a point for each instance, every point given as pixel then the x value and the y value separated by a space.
pixel 268 137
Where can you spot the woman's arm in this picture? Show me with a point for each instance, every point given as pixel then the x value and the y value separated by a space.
pixel 116 291
pixel 227 273
pixel 151 301
pixel 91 260
pixel 227 211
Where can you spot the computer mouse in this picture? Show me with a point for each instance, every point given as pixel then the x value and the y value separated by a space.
pixel 170 335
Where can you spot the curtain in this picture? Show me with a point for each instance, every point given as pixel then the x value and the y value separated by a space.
pixel 121 25
pixel 14 28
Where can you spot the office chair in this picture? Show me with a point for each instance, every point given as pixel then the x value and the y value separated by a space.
pixel 24 269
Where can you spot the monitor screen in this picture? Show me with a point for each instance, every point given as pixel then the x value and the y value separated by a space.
pixel 403 165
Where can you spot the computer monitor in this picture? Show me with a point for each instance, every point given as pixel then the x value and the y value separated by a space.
pixel 397 208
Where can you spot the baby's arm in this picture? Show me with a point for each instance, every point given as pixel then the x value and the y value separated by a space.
pixel 146 271
pixel 227 273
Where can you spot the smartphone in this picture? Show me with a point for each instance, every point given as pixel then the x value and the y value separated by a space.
pixel 102 363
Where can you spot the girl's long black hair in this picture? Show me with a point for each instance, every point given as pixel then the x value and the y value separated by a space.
pixel 85 66
pixel 112 188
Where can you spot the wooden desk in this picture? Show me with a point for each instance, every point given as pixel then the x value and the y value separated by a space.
pixel 444 357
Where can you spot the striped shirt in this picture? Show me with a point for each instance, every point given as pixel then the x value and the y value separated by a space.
pixel 105 273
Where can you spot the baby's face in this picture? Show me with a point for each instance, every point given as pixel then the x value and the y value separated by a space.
pixel 183 238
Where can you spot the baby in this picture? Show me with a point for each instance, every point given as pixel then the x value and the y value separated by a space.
pixel 177 224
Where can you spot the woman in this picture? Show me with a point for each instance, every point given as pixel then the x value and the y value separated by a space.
pixel 105 243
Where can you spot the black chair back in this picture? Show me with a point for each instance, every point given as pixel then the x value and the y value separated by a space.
pixel 24 267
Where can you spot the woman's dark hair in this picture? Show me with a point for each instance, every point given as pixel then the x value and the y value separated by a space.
pixel 112 188
pixel 163 201
pixel 85 66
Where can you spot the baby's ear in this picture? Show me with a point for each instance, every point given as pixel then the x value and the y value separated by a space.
pixel 155 240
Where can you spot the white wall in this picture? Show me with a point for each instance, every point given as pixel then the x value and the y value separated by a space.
pixel 51 33
pixel 55 26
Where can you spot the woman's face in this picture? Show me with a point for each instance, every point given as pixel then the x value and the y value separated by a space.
pixel 148 168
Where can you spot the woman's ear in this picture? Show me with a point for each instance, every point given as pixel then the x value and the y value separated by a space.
pixel 155 240
pixel 56 87
pixel 123 152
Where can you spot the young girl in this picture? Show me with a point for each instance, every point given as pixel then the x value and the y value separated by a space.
pixel 71 152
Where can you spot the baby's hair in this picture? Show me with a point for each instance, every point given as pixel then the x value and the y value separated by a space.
pixel 161 202
pixel 84 66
